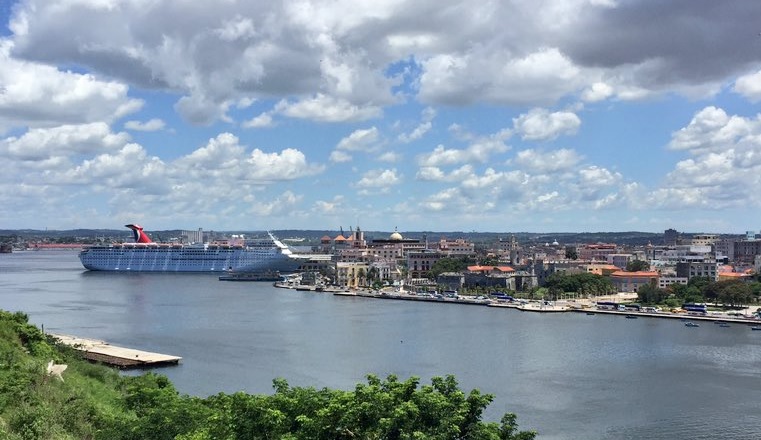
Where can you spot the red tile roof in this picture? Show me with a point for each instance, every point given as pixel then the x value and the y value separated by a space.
pixel 490 268
pixel 640 274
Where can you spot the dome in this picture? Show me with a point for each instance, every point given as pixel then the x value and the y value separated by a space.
pixel 395 236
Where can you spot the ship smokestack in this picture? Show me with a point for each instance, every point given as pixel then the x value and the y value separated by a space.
pixel 138 234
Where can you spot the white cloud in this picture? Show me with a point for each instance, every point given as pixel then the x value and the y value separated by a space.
pixel 284 204
pixel 126 169
pixel 425 125
pixel 749 86
pixel 379 179
pixel 597 92
pixel 42 143
pixel 360 140
pixel 547 161
pixel 443 200
pixel 338 156
pixel 38 95
pixel 725 167
pixel 154 124
pixel 498 76
pixel 430 173
pixel 540 124
pixel 325 108
pixel 480 150
pixel 329 206
pixel 710 129
pixel 597 176
pixel 224 158
pixel 390 156
pixel 261 121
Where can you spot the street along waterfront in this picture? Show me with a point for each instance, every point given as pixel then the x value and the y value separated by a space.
pixel 567 375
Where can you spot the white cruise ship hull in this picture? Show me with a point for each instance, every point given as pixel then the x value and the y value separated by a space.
pixel 151 258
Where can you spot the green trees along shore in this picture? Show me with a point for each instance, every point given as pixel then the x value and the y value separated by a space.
pixel 96 402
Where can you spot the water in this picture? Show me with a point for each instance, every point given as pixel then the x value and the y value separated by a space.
pixel 569 375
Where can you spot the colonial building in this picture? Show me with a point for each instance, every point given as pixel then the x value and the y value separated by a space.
pixel 351 274
pixel 420 263
pixel 632 281
pixel 459 246
pixel 599 251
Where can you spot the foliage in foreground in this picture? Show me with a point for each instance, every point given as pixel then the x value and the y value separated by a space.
pixel 95 402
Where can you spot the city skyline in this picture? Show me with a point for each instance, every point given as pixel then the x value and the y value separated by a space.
pixel 556 116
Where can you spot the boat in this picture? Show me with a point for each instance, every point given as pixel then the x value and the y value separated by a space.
pixel 590 313
pixel 631 317
pixel 251 276
pixel 267 255
pixel 691 324
pixel 723 324
pixel 756 327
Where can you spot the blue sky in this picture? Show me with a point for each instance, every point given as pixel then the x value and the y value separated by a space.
pixel 547 116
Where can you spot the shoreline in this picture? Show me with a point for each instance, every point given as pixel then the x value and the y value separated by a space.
pixel 575 306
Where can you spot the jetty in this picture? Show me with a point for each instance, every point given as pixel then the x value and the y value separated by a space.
pixel 120 357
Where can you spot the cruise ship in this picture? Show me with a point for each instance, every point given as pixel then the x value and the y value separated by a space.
pixel 145 255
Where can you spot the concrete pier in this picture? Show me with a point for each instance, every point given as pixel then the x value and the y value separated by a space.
pixel 101 351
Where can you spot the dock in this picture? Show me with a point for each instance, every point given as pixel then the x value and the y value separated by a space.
pixel 103 352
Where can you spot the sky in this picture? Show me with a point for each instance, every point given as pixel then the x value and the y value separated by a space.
pixel 437 115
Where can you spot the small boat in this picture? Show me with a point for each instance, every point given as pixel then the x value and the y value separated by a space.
pixel 691 324
pixel 590 313
pixel 723 324
pixel 631 317
pixel 756 327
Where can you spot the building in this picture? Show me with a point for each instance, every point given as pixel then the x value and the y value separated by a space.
pixel 620 260
pixel 420 263
pixel 745 251
pixel 691 269
pixel 450 280
pixel 193 236
pixel 351 274
pixel 725 248
pixel 602 269
pixel 670 237
pixel 396 246
pixel 598 251
pixel 459 246
pixel 510 249
pixel 632 281
pixel 664 281
pixel 704 239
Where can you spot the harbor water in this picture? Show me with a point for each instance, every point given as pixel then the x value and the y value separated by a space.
pixel 566 375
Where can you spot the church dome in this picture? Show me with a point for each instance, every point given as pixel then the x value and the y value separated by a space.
pixel 395 236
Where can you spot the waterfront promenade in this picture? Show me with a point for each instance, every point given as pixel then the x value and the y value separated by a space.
pixel 585 305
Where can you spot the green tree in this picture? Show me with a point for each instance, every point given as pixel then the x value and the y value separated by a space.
pixel 582 283
pixel 649 294
pixel 361 279
pixel 447 264
pixel 571 253
pixel 637 266
pixel 734 292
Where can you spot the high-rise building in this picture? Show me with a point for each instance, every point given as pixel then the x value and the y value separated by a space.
pixel 670 237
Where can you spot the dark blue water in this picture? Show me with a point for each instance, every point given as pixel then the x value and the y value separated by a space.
pixel 569 376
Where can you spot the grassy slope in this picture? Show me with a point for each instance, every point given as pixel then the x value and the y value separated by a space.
pixel 36 406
